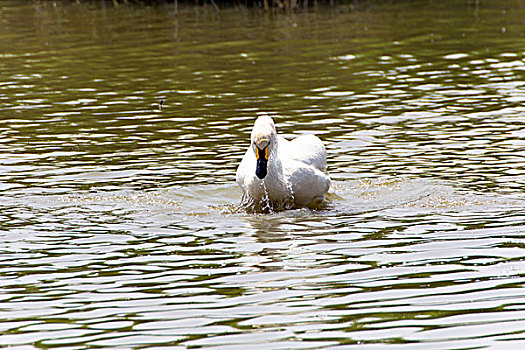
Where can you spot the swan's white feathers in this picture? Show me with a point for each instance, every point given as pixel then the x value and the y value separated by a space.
pixel 312 151
pixel 309 184
pixel 296 169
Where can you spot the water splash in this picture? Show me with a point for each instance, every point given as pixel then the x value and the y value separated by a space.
pixel 265 205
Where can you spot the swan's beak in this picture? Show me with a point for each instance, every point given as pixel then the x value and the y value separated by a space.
pixel 262 162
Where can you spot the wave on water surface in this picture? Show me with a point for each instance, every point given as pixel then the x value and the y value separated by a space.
pixel 351 197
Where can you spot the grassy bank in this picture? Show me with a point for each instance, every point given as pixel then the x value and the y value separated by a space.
pixel 267 5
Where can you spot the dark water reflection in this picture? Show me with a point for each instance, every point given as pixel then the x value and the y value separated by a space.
pixel 119 224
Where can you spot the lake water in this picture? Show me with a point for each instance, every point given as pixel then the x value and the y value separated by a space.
pixel 120 225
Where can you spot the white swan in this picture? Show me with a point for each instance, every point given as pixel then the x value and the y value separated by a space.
pixel 284 174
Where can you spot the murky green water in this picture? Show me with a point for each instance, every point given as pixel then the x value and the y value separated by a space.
pixel 119 226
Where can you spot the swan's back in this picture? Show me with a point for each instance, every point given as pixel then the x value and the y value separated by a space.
pixel 308 149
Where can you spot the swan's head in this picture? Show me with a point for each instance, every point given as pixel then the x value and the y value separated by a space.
pixel 264 138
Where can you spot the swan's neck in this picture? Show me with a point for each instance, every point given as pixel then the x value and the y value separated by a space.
pixel 275 183
pixel 275 166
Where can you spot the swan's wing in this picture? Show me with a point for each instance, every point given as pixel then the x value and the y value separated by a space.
pixel 308 149
pixel 309 184
pixel 245 169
